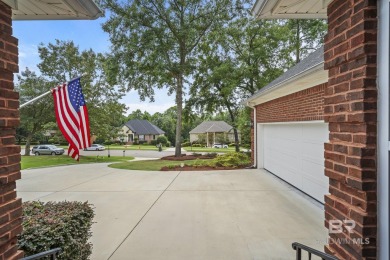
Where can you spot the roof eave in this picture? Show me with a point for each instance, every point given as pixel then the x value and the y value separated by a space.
pixel 268 9
pixel 91 11
pixel 250 102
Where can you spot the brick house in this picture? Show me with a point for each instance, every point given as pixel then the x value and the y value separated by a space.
pixel 141 130
pixel 10 205
pixel 339 127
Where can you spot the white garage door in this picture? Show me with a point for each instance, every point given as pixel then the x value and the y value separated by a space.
pixel 295 153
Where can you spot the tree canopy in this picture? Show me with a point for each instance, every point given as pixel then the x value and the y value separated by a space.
pixel 154 44
pixel 61 61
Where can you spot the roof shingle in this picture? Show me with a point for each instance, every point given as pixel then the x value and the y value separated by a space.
pixel 143 127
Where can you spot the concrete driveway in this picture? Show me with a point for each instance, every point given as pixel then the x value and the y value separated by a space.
pixel 243 214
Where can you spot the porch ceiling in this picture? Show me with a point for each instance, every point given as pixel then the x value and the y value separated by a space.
pixel 54 9
pixel 290 9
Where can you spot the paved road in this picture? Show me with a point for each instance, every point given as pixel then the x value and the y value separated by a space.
pixel 243 214
pixel 133 153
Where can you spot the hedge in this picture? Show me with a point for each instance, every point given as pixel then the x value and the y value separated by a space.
pixel 57 224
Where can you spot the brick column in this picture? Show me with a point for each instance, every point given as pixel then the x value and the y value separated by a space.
pixel 10 206
pixel 351 110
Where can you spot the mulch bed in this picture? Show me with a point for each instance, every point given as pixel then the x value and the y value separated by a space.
pixel 185 157
pixel 199 168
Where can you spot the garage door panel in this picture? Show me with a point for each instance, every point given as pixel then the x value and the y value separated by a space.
pixel 313 152
pixel 294 152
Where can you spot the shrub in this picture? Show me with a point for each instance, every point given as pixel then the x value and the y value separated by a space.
pixel 135 141
pixel 168 144
pixel 211 155
pixel 232 160
pixel 197 145
pixel 142 142
pixel 57 224
pixel 162 139
pixel 153 142
pixel 185 144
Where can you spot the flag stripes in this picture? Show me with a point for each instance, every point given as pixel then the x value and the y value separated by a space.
pixel 72 116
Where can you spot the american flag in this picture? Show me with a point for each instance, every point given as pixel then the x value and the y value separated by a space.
pixel 72 116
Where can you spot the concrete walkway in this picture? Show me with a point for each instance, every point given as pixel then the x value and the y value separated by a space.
pixel 245 214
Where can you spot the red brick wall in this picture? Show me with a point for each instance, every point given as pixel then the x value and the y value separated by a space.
pixel 305 105
pixel 10 206
pixel 351 110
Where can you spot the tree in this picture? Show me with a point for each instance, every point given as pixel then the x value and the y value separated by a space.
pixel 236 60
pixel 167 122
pixel 154 44
pixel 34 116
pixel 63 61
pixel 138 114
pixel 305 36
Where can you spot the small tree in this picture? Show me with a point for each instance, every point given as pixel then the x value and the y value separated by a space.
pixel 162 140
pixel 33 117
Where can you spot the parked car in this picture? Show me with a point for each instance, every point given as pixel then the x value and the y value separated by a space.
pixel 95 147
pixel 47 149
pixel 220 146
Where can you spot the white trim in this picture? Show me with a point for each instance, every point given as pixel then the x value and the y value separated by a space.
pixel 255 162
pixel 292 85
pixel 383 129
pixel 293 122
pixel 260 147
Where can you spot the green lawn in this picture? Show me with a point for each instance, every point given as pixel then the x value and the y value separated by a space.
pixel 153 165
pixel 49 160
pixel 209 149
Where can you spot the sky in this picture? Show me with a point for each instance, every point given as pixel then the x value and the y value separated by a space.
pixel 85 34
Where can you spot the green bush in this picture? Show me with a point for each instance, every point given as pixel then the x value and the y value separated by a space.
pixel 197 145
pixel 142 142
pixel 211 155
pixel 57 224
pixel 162 140
pixel 232 160
pixel 185 144
pixel 153 142
pixel 135 141
pixel 168 144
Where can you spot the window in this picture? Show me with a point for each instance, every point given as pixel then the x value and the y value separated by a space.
pixel 141 137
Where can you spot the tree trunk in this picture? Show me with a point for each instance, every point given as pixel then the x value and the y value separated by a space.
pixel 233 118
pixel 27 148
pixel 298 44
pixel 179 107
pixel 237 142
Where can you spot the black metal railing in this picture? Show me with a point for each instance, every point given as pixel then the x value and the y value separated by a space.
pixel 53 253
pixel 311 251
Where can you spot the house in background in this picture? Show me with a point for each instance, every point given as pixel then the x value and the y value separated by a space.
pixel 213 132
pixel 141 130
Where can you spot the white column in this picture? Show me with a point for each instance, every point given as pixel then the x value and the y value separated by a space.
pixel 383 129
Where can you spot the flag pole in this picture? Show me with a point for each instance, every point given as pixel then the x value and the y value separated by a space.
pixel 45 94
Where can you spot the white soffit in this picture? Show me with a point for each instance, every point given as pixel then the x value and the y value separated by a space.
pixel 311 78
pixel 290 9
pixel 54 9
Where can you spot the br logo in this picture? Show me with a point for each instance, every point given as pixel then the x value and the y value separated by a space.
pixel 336 226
